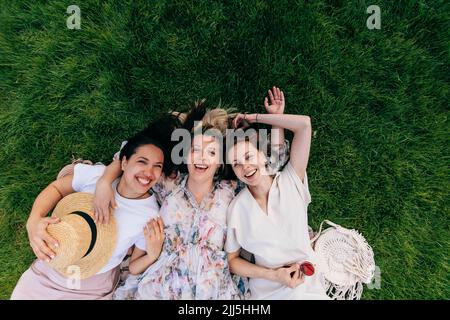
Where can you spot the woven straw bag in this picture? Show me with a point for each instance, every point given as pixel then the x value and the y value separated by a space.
pixel 346 259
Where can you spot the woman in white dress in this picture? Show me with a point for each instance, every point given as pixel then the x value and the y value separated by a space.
pixel 269 217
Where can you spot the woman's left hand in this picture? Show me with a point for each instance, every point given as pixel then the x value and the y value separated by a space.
pixel 154 237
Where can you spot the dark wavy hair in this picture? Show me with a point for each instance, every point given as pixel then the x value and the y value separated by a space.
pixel 157 133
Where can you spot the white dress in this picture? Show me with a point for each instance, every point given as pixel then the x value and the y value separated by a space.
pixel 278 238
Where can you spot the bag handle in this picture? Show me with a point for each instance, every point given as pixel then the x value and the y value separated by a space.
pixel 320 229
pixel 332 224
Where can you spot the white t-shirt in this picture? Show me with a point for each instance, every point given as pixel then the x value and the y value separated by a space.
pixel 278 238
pixel 131 215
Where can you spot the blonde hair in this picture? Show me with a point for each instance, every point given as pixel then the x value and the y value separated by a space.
pixel 218 118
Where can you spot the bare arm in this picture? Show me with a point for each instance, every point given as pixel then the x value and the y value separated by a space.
pixel 112 171
pixel 38 221
pixel 275 104
pixel 140 261
pixel 154 237
pixel 299 125
pixel 282 275
pixel 245 268
pixel 104 194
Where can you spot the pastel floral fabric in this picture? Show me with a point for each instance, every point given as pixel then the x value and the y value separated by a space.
pixel 193 263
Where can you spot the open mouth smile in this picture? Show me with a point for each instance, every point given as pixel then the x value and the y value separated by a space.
pixel 201 167
pixel 250 174
pixel 144 182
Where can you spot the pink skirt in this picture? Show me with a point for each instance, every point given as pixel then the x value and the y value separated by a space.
pixel 41 282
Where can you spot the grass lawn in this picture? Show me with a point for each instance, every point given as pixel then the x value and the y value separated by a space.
pixel 378 101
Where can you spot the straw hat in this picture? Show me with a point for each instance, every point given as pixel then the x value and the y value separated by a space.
pixel 84 246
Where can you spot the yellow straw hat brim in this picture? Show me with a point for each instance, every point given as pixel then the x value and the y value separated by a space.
pixel 103 248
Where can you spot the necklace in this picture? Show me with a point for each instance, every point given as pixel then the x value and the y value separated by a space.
pixel 145 195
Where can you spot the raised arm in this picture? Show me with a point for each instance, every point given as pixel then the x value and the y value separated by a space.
pixel 274 104
pixel 298 124
pixel 104 194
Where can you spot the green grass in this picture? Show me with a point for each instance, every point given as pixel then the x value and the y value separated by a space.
pixel 378 100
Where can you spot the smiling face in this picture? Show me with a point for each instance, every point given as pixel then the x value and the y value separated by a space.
pixel 248 162
pixel 141 171
pixel 204 158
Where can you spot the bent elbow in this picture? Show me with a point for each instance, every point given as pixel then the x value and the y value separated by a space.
pixel 231 267
pixel 308 121
pixel 304 123
pixel 133 270
pixel 232 264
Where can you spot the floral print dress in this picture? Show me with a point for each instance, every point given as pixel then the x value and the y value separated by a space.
pixel 193 263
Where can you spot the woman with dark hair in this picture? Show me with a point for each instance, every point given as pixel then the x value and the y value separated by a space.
pixel 142 160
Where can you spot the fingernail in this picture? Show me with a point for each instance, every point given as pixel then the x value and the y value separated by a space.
pixel 52 257
pixel 56 245
pixel 48 260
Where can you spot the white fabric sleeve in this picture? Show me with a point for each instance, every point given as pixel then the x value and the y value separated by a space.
pixel 116 155
pixel 302 186
pixel 85 175
pixel 231 242
pixel 140 242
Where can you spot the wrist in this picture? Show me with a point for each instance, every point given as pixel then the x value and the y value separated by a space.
pixel 252 117
pixel 31 222
pixel 270 274
pixel 151 257
pixel 104 182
